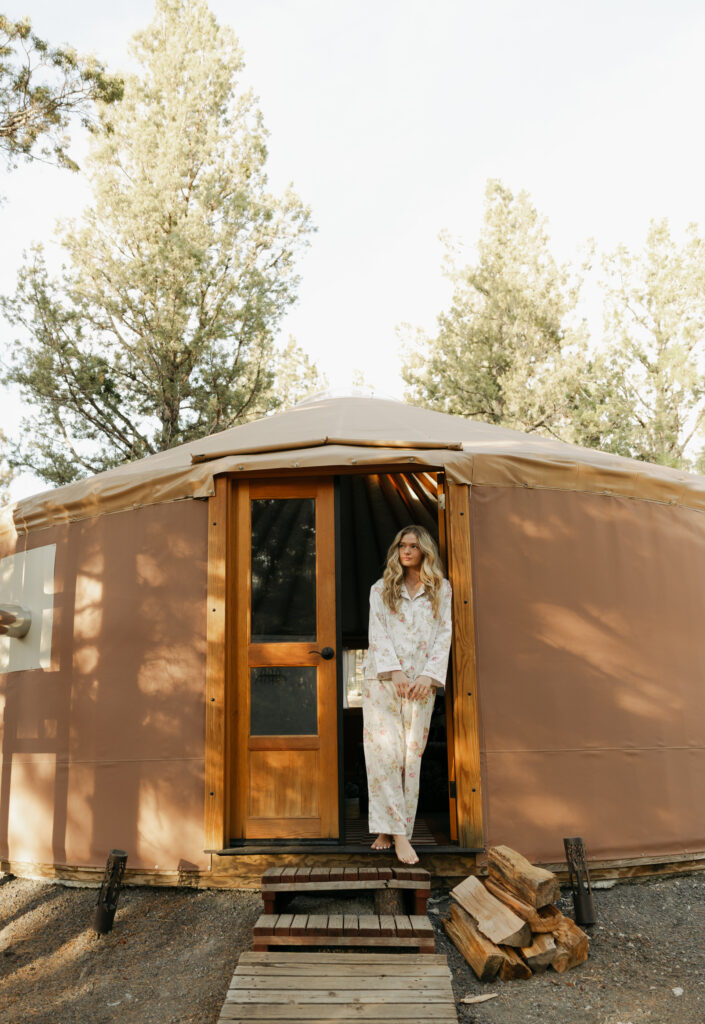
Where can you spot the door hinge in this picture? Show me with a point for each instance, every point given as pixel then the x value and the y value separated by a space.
pixel 442 501
pixel 451 789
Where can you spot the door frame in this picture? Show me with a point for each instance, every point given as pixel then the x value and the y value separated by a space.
pixel 223 571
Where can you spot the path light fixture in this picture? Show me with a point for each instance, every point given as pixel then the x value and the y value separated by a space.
pixel 107 901
pixel 579 878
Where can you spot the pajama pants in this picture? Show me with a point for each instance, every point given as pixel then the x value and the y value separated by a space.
pixel 395 734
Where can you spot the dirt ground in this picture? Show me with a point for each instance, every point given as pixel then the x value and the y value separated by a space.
pixel 172 952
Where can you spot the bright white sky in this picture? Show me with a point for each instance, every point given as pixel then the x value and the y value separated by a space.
pixel 389 117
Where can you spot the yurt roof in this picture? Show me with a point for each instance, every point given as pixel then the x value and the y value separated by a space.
pixel 334 433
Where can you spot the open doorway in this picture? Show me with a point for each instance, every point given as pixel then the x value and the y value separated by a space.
pixel 371 510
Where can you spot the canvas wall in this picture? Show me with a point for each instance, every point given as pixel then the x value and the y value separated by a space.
pixel 591 659
pixel 105 747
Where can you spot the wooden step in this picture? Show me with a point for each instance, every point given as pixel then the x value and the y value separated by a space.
pixel 280 883
pixel 414 931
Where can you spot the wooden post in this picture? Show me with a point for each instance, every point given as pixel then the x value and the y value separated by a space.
pixel 215 824
pixel 465 705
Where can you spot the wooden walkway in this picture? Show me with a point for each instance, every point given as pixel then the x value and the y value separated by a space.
pixel 330 988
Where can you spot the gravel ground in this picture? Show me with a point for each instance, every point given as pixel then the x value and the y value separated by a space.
pixel 646 964
pixel 172 952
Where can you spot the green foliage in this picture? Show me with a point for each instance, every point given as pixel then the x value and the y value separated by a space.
pixel 6 472
pixel 652 369
pixel 160 328
pixel 41 89
pixel 504 352
pixel 296 377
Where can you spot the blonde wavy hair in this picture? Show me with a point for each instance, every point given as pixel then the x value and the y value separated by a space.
pixel 431 572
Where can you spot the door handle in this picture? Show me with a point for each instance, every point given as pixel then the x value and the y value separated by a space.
pixel 327 653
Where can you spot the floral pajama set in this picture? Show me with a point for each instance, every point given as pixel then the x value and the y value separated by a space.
pixel 396 728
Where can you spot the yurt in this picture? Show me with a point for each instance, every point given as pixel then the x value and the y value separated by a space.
pixel 182 638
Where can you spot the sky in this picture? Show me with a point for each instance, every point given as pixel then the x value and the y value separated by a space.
pixel 389 117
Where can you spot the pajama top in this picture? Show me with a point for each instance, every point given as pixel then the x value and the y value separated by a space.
pixel 410 640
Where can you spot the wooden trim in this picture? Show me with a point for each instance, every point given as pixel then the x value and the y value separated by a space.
pixel 276 654
pixel 245 871
pixel 272 828
pixel 284 743
pixel 450 693
pixel 216 782
pixel 298 487
pixel 328 710
pixel 241 674
pixel 465 704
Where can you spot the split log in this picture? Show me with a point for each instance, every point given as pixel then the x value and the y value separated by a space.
pixel 483 956
pixel 540 954
pixel 550 916
pixel 535 886
pixel 497 922
pixel 543 920
pixel 571 946
pixel 513 967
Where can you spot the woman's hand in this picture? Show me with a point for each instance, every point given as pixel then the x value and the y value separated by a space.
pixel 421 688
pixel 401 683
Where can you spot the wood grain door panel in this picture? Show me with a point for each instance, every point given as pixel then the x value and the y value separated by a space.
pixel 285 764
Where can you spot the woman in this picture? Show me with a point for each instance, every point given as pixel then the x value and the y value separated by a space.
pixel 407 660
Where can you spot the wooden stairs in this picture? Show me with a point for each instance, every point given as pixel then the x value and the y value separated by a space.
pixel 279 884
pixel 412 930
pixel 275 986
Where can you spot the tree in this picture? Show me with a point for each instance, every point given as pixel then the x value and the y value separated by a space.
pixel 41 89
pixel 504 352
pixel 6 473
pixel 160 328
pixel 653 407
pixel 296 377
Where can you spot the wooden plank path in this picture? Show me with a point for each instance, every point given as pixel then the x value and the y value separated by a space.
pixel 329 988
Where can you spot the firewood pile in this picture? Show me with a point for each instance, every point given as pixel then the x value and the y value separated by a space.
pixel 509 925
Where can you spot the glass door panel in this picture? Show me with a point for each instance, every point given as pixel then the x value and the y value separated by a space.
pixel 283 562
pixel 283 701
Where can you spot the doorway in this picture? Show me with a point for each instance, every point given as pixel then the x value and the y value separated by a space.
pixel 371 510
pixel 304 553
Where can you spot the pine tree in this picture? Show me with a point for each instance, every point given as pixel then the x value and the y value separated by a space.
pixel 42 88
pixel 6 473
pixel 504 351
pixel 161 327
pixel 652 367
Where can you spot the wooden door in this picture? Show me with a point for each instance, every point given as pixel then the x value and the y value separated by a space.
pixel 285 781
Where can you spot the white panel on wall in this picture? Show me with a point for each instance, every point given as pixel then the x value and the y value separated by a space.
pixel 27 579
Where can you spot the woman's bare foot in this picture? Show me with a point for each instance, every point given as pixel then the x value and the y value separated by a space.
pixel 382 842
pixel 405 851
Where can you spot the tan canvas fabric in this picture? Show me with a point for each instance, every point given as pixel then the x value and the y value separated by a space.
pixel 591 655
pixel 106 748
pixel 364 432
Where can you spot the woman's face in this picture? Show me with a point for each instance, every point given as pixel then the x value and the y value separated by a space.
pixel 410 553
